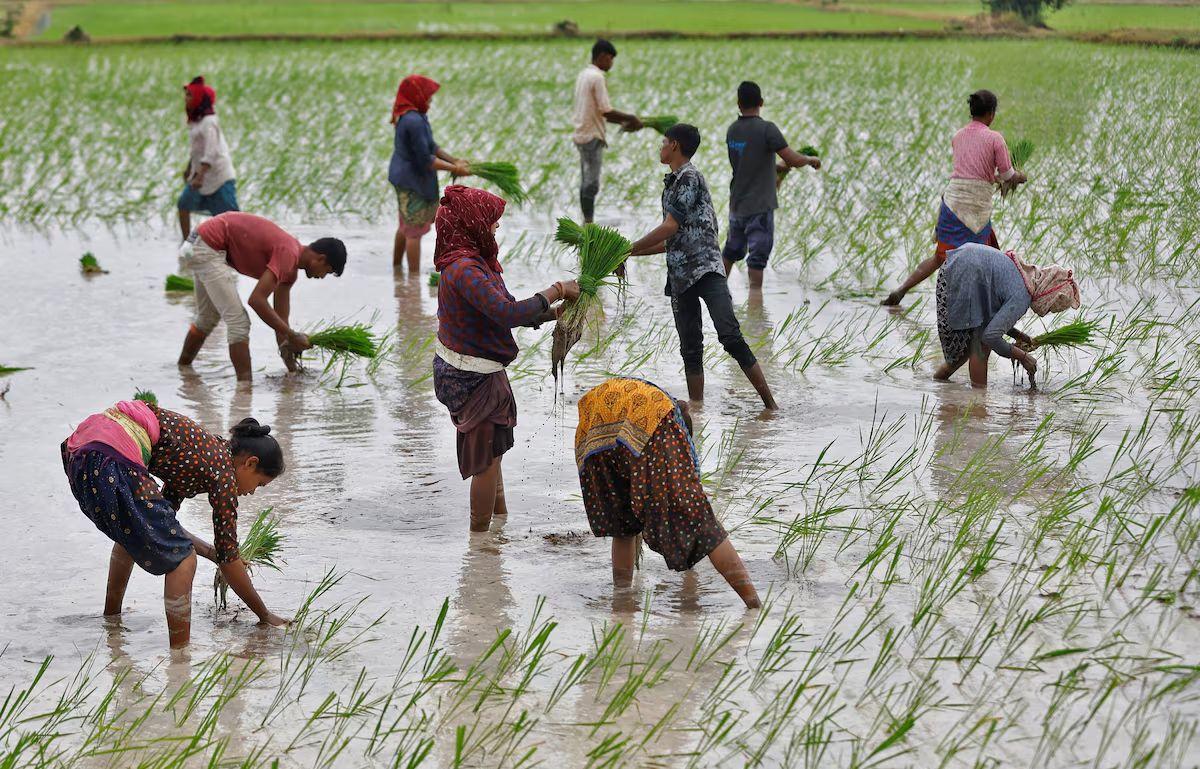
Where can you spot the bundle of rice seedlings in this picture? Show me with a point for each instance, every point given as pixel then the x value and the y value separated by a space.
pixel 180 283
pixel 569 232
pixel 1074 334
pixel 1019 151
pixel 357 339
pixel 260 547
pixel 503 175
pixel 810 150
pixel 659 123
pixel 435 277
pixel 89 265
pixel 601 251
pixel 146 396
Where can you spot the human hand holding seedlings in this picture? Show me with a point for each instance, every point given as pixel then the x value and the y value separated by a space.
pixel 1030 364
pixel 238 578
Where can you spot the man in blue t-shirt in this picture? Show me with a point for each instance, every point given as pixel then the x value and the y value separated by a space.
pixel 753 144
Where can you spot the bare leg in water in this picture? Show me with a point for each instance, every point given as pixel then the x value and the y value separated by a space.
pixel 726 560
pixel 483 496
pixel 120 566
pixel 501 506
pixel 923 271
pixel 624 555
pixel 412 248
pixel 185 222
pixel 177 600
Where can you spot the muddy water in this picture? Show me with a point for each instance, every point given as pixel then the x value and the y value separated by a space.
pixel 372 488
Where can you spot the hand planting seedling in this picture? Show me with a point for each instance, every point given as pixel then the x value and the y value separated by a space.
pixel 179 283
pixel 659 123
pixel 89 265
pixel 601 251
pixel 505 176
pixel 260 547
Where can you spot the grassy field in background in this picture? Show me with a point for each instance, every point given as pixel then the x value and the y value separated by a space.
pixel 105 19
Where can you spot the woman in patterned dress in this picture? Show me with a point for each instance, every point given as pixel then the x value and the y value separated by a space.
pixel 640 476
pixel 110 460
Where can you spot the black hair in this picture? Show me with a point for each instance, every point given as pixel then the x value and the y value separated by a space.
pixel 749 95
pixel 687 136
pixel 334 252
pixel 983 102
pixel 249 437
pixel 601 47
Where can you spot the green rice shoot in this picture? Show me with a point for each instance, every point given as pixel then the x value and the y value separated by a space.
pixel 659 123
pixel 1076 334
pixel 569 232
pixel 259 548
pixel 6 370
pixel 89 265
pixel 435 277
pixel 357 340
pixel 810 150
pixel 180 283
pixel 505 177
pixel 146 396
pixel 601 251
pixel 1021 151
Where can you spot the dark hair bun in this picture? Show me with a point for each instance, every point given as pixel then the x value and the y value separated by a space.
pixel 250 428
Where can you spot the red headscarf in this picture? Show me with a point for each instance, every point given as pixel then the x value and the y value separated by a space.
pixel 200 99
pixel 464 227
pixel 414 93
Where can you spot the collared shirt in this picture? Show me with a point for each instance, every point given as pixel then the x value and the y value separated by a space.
pixel 207 145
pixel 591 102
pixel 980 153
pixel 190 461
pixel 692 252
pixel 413 152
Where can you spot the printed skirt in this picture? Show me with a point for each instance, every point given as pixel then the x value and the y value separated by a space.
pixel 416 213
pixel 127 506
pixel 952 233
pixel 657 494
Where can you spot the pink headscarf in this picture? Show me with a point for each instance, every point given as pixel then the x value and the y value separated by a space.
pixel 1051 289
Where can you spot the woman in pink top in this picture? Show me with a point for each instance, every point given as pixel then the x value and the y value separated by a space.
pixel 981 161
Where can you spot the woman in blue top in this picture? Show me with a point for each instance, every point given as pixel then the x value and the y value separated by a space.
pixel 981 294
pixel 416 159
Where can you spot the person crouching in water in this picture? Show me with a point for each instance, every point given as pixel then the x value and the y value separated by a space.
pixel 111 461
pixel 981 294
pixel 640 476
pixel 981 160
pixel 476 315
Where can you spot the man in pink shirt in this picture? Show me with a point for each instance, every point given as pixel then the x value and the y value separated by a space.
pixel 232 243
pixel 981 161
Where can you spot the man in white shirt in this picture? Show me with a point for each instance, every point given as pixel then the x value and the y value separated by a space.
pixel 592 111
pixel 209 182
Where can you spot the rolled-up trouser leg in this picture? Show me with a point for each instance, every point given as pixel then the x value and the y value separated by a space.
pixel 216 293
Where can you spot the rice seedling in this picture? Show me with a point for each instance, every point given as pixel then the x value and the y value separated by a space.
pixel 1075 334
pixel 1021 151
pixel 435 277
pixel 356 340
pixel 258 549
pixel 659 123
pixel 505 177
pixel 569 232
pixel 89 265
pixel 179 283
pixel 6 370
pixel 810 150
pixel 146 396
pixel 601 251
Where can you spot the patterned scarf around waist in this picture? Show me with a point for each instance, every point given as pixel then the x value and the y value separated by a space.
pixel 136 432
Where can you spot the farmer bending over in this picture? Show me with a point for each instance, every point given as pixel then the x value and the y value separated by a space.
pixel 233 243
pixel 640 477
pixel 109 461
pixel 981 294
pixel 695 273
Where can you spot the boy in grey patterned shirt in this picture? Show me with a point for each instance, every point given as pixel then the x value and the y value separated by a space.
pixel 688 237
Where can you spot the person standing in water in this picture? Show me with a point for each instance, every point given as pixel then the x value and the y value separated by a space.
pixel 229 244
pixel 110 460
pixel 209 181
pixel 753 145
pixel 416 159
pixel 695 272
pixel 981 294
pixel 592 110
pixel 981 160
pixel 640 477
pixel 476 315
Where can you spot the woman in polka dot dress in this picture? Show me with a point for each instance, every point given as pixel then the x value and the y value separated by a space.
pixel 640 476
pixel 109 461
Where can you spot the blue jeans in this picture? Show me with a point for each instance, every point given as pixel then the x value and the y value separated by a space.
pixel 714 291
pixel 754 233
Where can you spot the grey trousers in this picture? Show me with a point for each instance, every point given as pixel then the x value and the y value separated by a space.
pixel 591 158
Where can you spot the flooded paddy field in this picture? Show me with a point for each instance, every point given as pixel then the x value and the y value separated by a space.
pixel 953 577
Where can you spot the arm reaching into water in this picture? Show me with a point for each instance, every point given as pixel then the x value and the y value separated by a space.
pixel 238 578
